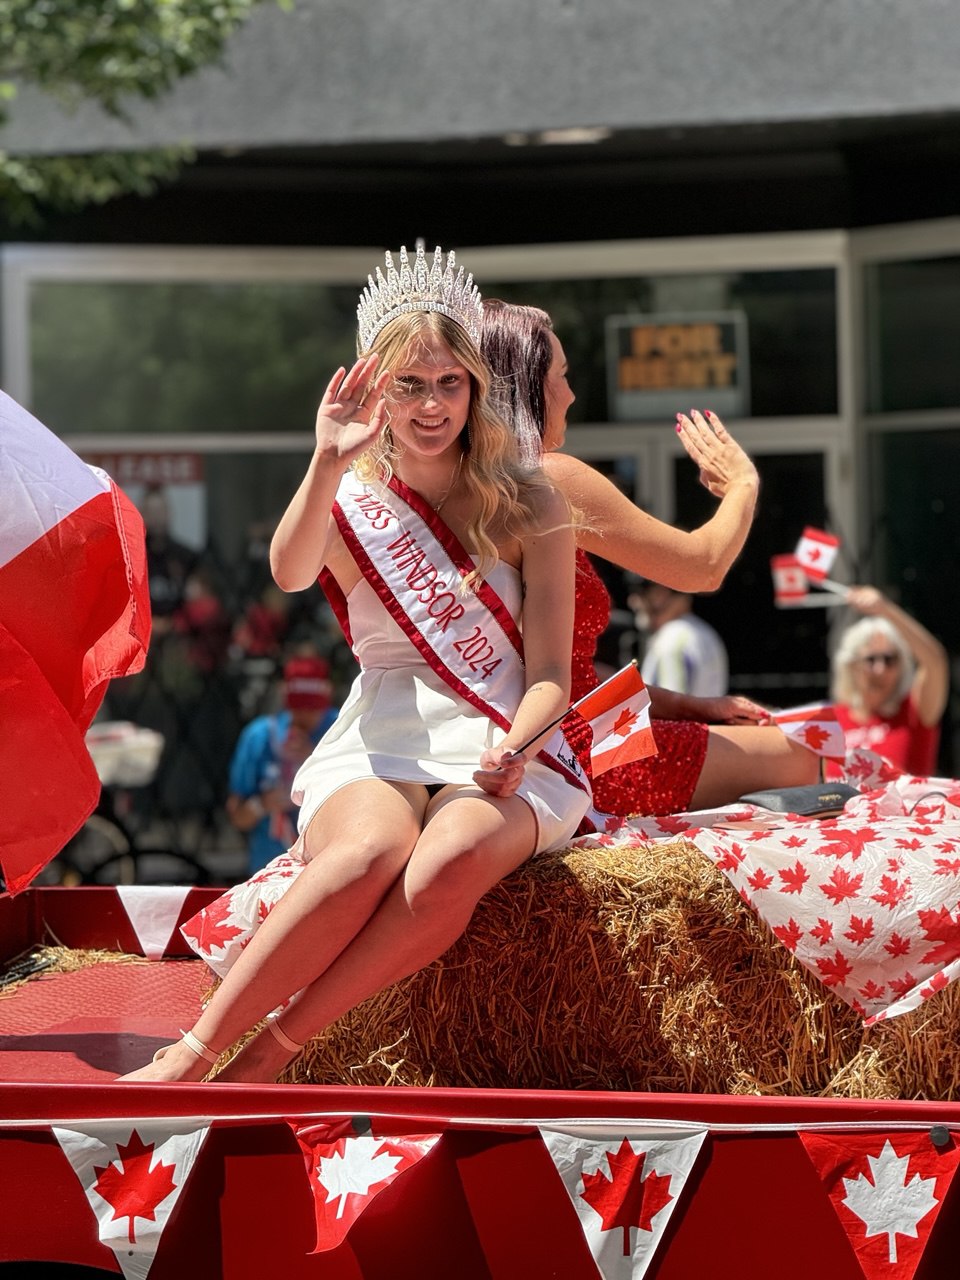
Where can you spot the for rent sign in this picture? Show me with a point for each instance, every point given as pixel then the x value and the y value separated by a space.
pixel 658 364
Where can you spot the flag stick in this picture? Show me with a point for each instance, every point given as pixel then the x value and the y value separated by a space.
pixel 838 587
pixel 811 602
pixel 575 705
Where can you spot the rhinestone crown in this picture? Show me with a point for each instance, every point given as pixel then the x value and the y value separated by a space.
pixel 419 287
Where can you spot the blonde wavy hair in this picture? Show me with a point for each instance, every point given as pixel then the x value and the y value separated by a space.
pixel 508 497
pixel 848 652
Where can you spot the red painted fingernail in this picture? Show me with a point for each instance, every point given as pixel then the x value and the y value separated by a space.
pixel 679 429
pixel 708 413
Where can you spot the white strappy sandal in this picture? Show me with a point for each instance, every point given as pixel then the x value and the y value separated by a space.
pixel 192 1043
pixel 281 1037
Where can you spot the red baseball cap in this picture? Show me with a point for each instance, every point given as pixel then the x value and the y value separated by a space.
pixel 307 683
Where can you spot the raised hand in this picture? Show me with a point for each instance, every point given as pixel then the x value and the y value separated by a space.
pixel 353 410
pixel 721 460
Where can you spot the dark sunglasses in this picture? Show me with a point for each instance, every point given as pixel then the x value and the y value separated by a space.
pixel 879 659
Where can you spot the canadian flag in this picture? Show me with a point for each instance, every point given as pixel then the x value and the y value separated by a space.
pixel 624 1185
pixel 348 1166
pixel 816 552
pixel 74 612
pixel 618 712
pixel 816 727
pixel 886 1189
pixel 132 1174
pixel 789 579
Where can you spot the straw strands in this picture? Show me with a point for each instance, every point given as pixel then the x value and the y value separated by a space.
pixel 636 969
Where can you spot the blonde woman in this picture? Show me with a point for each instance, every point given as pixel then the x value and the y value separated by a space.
pixel 438 549
pixel 890 683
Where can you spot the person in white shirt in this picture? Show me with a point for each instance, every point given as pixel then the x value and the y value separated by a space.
pixel 683 653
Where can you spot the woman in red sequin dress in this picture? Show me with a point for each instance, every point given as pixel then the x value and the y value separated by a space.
pixel 710 750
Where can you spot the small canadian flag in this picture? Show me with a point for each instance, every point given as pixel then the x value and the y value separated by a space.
pixel 789 579
pixel 816 727
pixel 618 712
pixel 816 552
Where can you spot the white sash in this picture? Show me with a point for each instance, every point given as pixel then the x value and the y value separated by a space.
pixel 415 564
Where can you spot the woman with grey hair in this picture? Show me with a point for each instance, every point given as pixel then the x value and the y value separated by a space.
pixel 890 683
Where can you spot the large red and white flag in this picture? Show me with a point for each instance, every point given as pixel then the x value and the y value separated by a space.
pixel 887 1190
pixel 624 1185
pixel 816 727
pixel 618 712
pixel 348 1166
pixel 816 552
pixel 132 1174
pixel 74 612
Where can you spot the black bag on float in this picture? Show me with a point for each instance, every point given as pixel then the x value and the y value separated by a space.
pixel 815 800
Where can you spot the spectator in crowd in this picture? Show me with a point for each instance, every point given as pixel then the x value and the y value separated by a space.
pixel 269 752
pixel 890 683
pixel 169 563
pixel 683 653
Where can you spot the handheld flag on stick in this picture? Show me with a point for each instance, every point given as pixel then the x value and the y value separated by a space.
pixel 816 727
pixel 618 713
pixel 816 552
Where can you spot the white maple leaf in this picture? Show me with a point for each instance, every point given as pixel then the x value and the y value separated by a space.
pixel 889 1204
pixel 362 1165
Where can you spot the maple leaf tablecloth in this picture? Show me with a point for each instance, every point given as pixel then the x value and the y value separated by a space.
pixel 868 901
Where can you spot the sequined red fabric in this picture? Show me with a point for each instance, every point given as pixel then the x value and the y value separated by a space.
pixel 660 784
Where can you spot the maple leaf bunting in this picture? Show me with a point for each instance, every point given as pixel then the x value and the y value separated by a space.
pixel 816 727
pixel 618 712
pixel 886 1189
pixel 624 1187
pixel 74 613
pixel 132 1178
pixel 348 1166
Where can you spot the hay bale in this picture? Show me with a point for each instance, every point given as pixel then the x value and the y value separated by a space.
pixel 636 969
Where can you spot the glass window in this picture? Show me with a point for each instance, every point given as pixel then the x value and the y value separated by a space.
pixel 790 321
pixel 146 357
pixel 913 335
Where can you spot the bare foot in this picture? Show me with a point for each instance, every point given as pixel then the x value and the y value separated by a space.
pixel 176 1062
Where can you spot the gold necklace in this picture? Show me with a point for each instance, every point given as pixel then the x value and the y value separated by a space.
pixel 451 486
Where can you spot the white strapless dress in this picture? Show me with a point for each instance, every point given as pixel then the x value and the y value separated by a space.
pixel 401 722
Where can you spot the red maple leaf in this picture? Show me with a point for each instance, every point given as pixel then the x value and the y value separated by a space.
pixel 843 840
pixel 842 885
pixel 759 879
pixel 626 1199
pixel 671 824
pixel 794 878
pixel 922 831
pixel 936 983
pixel 946 866
pixel 731 858
pixel 823 932
pixel 872 991
pixel 891 891
pixel 814 736
pixel 134 1190
pixel 900 986
pixel 897 946
pixel 623 725
pixel 836 971
pixel 940 926
pixel 910 844
pixel 794 842
pixel 789 934
pixel 812 554
pixel 211 929
pixel 861 930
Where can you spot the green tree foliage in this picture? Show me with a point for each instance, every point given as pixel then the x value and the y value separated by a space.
pixel 106 51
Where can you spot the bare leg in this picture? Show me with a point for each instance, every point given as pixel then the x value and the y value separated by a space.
pixel 743 758
pixel 470 841
pixel 357 845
